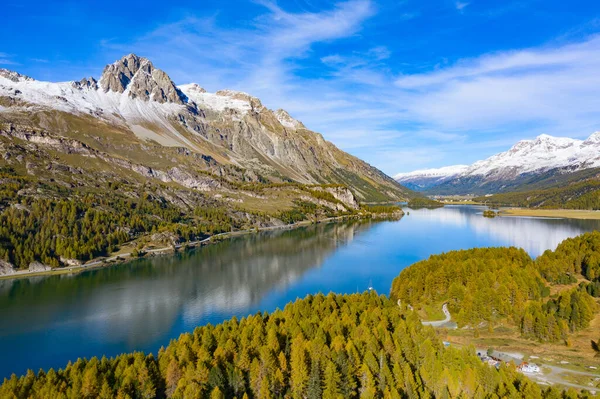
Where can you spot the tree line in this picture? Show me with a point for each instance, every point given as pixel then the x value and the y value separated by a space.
pixel 580 195
pixel 504 284
pixel 334 346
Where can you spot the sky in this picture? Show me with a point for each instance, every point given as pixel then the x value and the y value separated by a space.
pixel 403 85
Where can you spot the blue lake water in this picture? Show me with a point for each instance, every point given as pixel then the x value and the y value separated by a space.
pixel 142 305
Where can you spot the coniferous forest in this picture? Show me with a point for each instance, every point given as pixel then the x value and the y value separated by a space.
pixel 491 285
pixel 357 346
pixel 334 346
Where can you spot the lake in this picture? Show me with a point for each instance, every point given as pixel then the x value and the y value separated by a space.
pixel 142 305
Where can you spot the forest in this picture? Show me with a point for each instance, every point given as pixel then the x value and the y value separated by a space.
pixel 493 285
pixel 47 230
pixel 581 195
pixel 424 202
pixel 334 346
pixel 54 225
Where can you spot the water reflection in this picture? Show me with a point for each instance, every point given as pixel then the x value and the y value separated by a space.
pixel 535 235
pixel 138 305
pixel 47 321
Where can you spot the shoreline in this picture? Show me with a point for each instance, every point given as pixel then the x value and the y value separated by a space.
pixel 113 260
pixel 550 213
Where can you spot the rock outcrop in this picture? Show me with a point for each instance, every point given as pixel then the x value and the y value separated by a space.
pixel 343 195
pixel 286 120
pixel 140 79
pixel 6 268
pixel 14 76
pixel 38 267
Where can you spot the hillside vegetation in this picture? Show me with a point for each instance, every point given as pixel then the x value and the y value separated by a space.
pixel 424 202
pixel 492 285
pixel 334 346
pixel 579 190
pixel 43 221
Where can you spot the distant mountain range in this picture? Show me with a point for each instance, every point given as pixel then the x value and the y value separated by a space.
pixel 526 163
pixel 229 134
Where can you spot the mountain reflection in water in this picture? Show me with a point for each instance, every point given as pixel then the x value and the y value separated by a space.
pixel 141 305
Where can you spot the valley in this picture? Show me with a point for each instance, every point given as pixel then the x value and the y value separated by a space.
pixel 241 275
pixel 200 200
pixel 227 281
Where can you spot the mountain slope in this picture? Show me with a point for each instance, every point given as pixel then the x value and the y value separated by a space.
pixel 525 163
pixel 132 160
pixel 578 190
pixel 232 128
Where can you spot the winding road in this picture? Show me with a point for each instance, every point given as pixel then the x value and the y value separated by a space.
pixel 440 323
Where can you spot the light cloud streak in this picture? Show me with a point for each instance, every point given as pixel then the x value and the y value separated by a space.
pixel 5 59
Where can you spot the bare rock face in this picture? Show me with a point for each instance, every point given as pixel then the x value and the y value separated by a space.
pixel 14 76
pixel 70 262
pixel 6 268
pixel 86 83
pixel 286 120
pixel 38 267
pixel 343 195
pixel 117 76
pixel 141 79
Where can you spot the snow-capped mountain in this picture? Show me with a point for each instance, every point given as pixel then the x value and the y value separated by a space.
pixel 232 133
pixel 525 159
pixel 424 178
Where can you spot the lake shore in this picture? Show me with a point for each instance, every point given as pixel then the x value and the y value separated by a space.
pixel 123 257
pixel 551 213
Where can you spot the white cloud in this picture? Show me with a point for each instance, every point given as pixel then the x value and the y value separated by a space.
pixel 552 87
pixel 460 5
pixel 5 59
pixel 333 59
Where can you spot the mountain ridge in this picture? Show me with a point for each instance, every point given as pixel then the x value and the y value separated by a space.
pixel 231 127
pixel 502 171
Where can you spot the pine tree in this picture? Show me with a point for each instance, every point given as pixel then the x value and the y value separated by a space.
pixel 313 389
pixel 331 382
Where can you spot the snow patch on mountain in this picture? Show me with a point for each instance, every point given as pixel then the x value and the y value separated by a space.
pixel 526 157
pixel 286 119
pixel 541 154
pixel 226 99
pixel 446 171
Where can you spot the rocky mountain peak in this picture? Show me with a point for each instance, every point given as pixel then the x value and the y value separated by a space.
pixel 140 79
pixel 240 95
pixel 594 139
pixel 195 87
pixel 86 83
pixel 117 76
pixel 14 76
pixel 286 119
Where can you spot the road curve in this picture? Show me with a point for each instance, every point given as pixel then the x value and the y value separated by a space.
pixel 440 323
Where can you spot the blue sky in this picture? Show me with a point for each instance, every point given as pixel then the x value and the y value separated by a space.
pixel 403 85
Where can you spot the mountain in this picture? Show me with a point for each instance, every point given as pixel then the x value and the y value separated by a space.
pixel 132 159
pixel 576 190
pixel 231 132
pixel 420 180
pixel 523 164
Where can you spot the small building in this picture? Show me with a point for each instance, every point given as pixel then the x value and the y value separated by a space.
pixel 528 368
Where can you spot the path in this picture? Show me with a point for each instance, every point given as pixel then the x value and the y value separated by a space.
pixel 440 323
